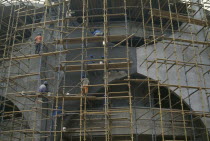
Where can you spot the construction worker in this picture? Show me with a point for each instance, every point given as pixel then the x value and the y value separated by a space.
pixel 44 87
pixel 69 13
pixel 57 112
pixel 91 58
pixel 85 83
pixel 38 41
pixel 47 2
pixel 68 16
pixel 101 62
pixel 97 32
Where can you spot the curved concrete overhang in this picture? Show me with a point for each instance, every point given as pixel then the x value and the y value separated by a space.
pixel 143 114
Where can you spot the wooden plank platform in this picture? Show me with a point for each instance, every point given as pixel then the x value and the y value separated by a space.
pixel 111 38
pixel 24 75
pixel 19 76
pixel 178 17
pixel 60 98
pixel 32 56
pixel 40 24
pixel 35 25
pixel 95 66
pixel 178 86
pixel 185 41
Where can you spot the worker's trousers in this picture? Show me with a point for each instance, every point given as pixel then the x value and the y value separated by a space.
pixel 85 89
pixel 38 48
pixel 99 34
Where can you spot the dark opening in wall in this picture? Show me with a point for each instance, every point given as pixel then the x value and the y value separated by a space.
pixel 136 42
pixel 8 106
pixel 9 19
pixel 135 13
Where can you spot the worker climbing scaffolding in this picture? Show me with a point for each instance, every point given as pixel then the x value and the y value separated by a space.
pixel 85 82
pixel 38 43
pixel 91 59
pixel 97 32
pixel 44 87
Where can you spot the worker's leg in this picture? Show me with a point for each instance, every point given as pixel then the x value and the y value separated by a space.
pixel 39 99
pixel 83 90
pixel 39 47
pixel 99 34
pixel 36 48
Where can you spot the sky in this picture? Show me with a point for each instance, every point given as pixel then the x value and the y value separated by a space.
pixel 205 2
pixel 32 1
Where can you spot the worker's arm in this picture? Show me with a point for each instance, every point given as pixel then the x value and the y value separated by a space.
pixel 82 82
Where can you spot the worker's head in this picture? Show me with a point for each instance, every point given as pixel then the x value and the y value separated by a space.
pixel 102 57
pixel 39 34
pixel 91 56
pixel 83 76
pixel 45 83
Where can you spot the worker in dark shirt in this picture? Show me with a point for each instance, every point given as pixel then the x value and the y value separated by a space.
pixel 97 32
pixel 44 87
pixel 92 59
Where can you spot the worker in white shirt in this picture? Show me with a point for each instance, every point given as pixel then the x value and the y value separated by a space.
pixel 85 83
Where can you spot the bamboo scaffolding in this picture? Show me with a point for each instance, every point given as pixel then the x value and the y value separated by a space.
pixel 94 66
pixel 161 103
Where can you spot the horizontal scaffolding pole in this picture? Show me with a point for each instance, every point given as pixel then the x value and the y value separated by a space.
pixel 94 66
pixel 178 17
pixel 34 56
pixel 110 38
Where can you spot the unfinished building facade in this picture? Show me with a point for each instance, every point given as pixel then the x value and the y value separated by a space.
pixel 148 71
